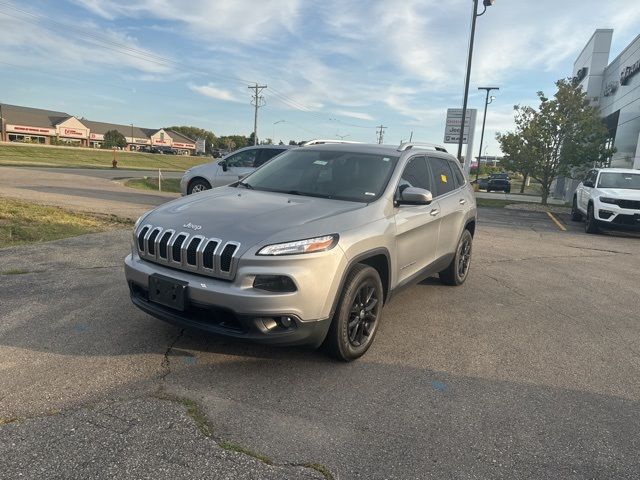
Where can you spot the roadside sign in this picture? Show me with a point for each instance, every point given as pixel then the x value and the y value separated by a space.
pixel 453 125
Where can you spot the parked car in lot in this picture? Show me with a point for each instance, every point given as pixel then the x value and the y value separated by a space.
pixel 608 198
pixel 229 169
pixel 498 184
pixel 308 248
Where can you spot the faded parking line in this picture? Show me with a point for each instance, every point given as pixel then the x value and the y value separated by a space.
pixel 557 222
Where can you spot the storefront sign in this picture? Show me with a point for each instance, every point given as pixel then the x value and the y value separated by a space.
pixel 96 136
pixel 610 89
pixel 72 132
pixel 629 72
pixel 453 125
pixel 26 129
pixel 184 145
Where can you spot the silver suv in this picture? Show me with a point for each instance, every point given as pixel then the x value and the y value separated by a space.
pixel 308 248
pixel 229 168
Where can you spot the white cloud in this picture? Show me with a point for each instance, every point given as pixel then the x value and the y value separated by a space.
pixel 212 91
pixel 352 114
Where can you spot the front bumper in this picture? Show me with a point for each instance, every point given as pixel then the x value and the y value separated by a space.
pixel 236 309
pixel 615 217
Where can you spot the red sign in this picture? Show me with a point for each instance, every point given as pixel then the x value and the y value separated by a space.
pixel 71 132
pixel 21 128
pixel 184 145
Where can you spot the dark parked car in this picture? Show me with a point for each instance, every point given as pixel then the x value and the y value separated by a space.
pixel 499 185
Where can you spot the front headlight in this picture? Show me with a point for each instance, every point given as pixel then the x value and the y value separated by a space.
pixel 309 245
pixel 609 200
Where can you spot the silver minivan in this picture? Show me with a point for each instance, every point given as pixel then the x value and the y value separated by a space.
pixel 229 168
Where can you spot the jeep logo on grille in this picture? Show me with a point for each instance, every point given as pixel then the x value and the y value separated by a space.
pixel 192 226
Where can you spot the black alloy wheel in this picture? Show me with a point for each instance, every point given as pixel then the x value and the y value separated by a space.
pixel 458 270
pixel 591 224
pixel 357 315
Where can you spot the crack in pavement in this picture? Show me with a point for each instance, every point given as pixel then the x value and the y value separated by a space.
pixel 166 363
pixel 550 257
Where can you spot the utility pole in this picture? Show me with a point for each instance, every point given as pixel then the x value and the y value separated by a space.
pixel 257 101
pixel 484 121
pixel 380 133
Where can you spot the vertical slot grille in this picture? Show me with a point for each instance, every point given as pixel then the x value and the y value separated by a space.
pixel 177 248
pixel 227 255
pixel 162 248
pixel 191 251
pixel 207 255
pixel 151 244
pixel 141 235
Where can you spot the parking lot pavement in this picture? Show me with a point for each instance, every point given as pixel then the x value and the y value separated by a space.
pixel 108 173
pixel 74 191
pixel 529 370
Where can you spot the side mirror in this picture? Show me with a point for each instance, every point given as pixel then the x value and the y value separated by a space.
pixel 415 196
pixel 224 166
pixel 588 183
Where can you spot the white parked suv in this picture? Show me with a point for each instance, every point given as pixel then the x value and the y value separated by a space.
pixel 608 198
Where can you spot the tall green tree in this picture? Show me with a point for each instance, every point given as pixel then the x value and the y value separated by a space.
pixel 564 136
pixel 519 155
pixel 113 138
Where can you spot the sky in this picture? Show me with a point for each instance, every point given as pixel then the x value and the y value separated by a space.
pixel 333 68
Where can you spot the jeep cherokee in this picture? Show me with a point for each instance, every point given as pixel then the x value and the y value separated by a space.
pixel 307 249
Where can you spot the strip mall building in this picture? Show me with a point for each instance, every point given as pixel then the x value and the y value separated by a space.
pixel 614 87
pixel 46 127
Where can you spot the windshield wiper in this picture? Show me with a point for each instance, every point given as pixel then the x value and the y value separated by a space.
pixel 307 194
pixel 245 185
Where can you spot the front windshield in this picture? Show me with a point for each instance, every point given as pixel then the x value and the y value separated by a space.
pixel 353 176
pixel 628 181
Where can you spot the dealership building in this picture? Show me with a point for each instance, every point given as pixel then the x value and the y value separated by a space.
pixel 47 127
pixel 614 87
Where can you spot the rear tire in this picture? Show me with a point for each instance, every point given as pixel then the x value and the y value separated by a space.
pixel 357 317
pixel 198 185
pixel 488 190
pixel 576 216
pixel 458 270
pixel 591 224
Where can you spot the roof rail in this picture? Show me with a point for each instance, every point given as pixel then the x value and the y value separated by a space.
pixel 320 141
pixel 427 146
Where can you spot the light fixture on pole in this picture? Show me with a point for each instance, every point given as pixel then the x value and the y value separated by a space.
pixel 273 133
pixel 487 101
pixel 485 3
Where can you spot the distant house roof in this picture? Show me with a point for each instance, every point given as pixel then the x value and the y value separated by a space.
pixel 178 136
pixel 103 127
pixel 36 117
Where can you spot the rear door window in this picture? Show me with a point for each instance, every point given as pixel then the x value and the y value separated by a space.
pixel 443 178
pixel 457 172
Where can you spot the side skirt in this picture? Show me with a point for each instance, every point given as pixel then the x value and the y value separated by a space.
pixel 429 271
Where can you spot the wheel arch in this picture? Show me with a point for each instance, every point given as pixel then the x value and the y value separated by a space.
pixel 198 177
pixel 471 226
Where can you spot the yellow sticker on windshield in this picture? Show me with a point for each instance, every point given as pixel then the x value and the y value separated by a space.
pixel 443 178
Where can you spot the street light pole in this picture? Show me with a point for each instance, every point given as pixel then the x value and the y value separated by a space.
pixel 475 14
pixel 273 133
pixel 487 101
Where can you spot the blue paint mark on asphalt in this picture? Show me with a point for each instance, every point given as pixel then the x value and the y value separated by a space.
pixel 81 328
pixel 440 386
pixel 190 360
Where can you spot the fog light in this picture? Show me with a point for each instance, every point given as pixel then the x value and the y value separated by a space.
pixel 285 322
pixel 605 214
pixel 274 283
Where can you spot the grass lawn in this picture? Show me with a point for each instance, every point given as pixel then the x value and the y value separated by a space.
pixel 38 156
pixel 151 183
pixel 23 222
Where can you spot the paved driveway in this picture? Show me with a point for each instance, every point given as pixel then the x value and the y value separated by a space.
pixel 530 370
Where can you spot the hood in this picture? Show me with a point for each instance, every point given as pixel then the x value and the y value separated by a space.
pixel 621 193
pixel 250 217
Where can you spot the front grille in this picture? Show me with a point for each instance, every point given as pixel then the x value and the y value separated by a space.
pixel 183 251
pixel 627 220
pixel 631 204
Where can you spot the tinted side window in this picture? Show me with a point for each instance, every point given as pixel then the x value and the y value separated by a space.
pixel 443 178
pixel 267 154
pixel 457 172
pixel 415 174
pixel 244 159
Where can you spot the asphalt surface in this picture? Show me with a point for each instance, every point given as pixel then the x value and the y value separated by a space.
pixel 108 174
pixel 529 370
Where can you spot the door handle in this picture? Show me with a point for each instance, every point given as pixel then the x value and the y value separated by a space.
pixel 434 212
pixel 462 201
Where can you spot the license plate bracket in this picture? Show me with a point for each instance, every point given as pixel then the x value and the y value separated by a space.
pixel 168 291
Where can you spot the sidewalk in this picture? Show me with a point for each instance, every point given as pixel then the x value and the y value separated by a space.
pixel 517 197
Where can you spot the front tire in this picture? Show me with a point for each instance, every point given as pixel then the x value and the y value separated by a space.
pixel 198 185
pixel 357 317
pixel 591 224
pixel 458 270
pixel 576 216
